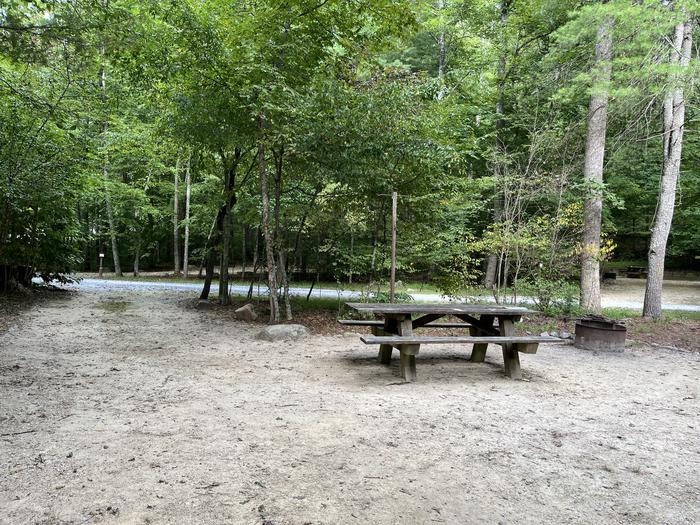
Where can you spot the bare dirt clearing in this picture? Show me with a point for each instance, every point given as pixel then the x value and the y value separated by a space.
pixel 133 408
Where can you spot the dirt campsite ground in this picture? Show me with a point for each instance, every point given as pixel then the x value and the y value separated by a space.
pixel 135 407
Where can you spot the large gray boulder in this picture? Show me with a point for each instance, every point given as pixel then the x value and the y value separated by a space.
pixel 283 332
pixel 246 313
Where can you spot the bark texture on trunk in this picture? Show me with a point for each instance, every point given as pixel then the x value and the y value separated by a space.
pixel 266 226
pixel 105 176
pixel 490 276
pixel 442 52
pixel 137 257
pixel 188 192
pixel 674 120
pixel 110 221
pixel 229 185
pixel 593 170
pixel 176 212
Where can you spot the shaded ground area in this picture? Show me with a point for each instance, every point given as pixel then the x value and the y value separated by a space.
pixel 135 408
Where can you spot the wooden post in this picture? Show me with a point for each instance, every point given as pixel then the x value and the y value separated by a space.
pixel 392 282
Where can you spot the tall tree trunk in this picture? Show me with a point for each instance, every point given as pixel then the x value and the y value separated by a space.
pixel 674 120
pixel 285 284
pixel 279 241
pixel 211 258
pixel 176 212
pixel 493 259
pixel 229 184
pixel 442 52
pixel 256 251
pixel 267 234
pixel 206 244
pixel 137 257
pixel 105 176
pixel 593 170
pixel 188 192
pixel 244 240
pixel 110 220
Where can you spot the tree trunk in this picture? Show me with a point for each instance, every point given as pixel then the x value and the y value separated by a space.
pixel 105 176
pixel 229 184
pixel 285 285
pixel 176 212
pixel 137 257
pixel 206 244
pixel 493 259
pixel 243 251
pixel 188 192
pixel 593 170
pixel 674 120
pixel 267 234
pixel 209 276
pixel 442 52
pixel 110 221
pixel 278 237
pixel 256 251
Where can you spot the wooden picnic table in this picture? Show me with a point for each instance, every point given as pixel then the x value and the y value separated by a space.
pixel 401 319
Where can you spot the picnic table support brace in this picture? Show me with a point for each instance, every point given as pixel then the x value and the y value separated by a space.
pixel 511 357
pixel 479 349
pixel 385 350
pixel 407 365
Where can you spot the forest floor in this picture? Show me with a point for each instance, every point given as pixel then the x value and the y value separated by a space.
pixel 136 407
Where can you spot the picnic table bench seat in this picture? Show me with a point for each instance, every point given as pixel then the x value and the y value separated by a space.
pixel 526 344
pixel 380 323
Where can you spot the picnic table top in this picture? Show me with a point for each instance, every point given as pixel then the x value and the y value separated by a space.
pixel 439 308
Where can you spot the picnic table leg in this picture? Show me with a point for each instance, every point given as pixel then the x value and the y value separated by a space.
pixel 385 350
pixel 511 358
pixel 479 349
pixel 407 365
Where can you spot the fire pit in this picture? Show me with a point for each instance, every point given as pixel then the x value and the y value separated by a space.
pixel 599 333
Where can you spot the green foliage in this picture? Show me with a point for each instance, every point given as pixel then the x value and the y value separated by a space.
pixel 551 296
pixel 358 99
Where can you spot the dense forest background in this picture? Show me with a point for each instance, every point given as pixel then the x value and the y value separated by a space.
pixel 269 136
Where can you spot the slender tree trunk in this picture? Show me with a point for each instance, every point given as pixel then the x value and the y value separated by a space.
pixel 279 241
pixel 256 251
pixel 188 192
pixel 209 276
pixel 110 221
pixel 593 170
pixel 244 240
pixel 229 184
pixel 267 234
pixel 137 257
pixel 493 259
pixel 442 52
pixel 105 176
pixel 285 284
pixel 352 255
pixel 206 244
pixel 674 120
pixel 176 212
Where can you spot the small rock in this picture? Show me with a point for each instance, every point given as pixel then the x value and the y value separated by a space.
pixel 566 335
pixel 544 334
pixel 553 334
pixel 246 313
pixel 283 332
